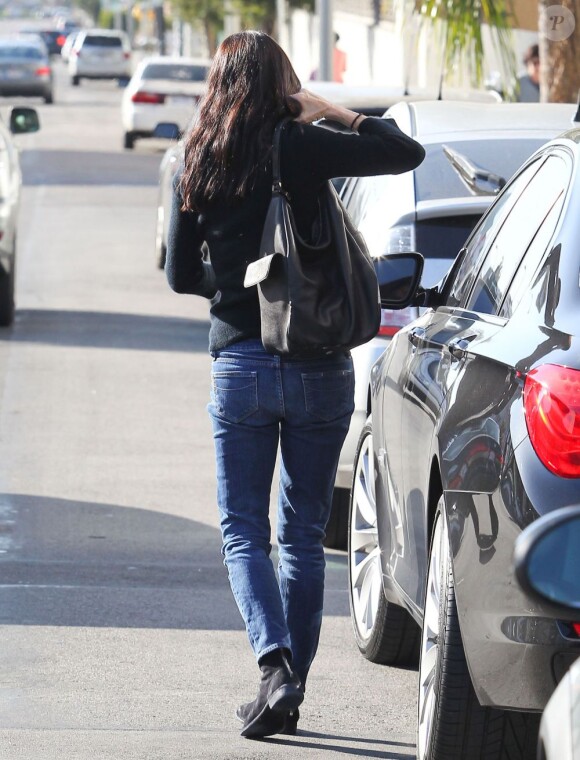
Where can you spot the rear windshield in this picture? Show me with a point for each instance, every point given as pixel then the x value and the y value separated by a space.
pixel 436 178
pixel 21 52
pixel 180 72
pixel 94 40
pixel 443 238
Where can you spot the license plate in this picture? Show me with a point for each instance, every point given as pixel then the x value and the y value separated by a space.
pixel 12 73
pixel 180 100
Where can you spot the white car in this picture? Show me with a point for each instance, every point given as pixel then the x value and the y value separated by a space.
pixel 21 120
pixel 472 150
pixel 162 89
pixel 100 54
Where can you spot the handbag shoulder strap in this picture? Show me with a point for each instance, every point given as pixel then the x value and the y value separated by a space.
pixel 276 178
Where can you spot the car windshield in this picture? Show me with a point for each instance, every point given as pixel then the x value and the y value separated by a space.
pixel 21 52
pixel 178 71
pixel 436 178
pixel 94 40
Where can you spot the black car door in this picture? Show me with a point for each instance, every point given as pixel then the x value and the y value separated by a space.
pixel 453 384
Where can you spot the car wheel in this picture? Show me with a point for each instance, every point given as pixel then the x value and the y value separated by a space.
pixel 384 632
pixel 48 98
pixel 7 298
pixel 452 725
pixel 129 141
pixel 337 526
pixel 75 81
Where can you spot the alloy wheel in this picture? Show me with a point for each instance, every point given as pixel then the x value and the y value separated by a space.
pixel 430 641
pixel 365 562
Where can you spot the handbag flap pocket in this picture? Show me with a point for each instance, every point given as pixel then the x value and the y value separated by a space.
pixel 259 270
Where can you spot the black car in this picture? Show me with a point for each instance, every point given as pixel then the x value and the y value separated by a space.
pixel 475 432
pixel 54 39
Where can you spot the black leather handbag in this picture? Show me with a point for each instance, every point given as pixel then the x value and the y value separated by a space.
pixel 316 296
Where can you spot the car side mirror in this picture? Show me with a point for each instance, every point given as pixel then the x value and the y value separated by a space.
pixel 23 119
pixel 167 130
pixel 399 275
pixel 547 560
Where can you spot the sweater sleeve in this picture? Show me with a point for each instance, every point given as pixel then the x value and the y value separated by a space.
pixel 379 148
pixel 185 268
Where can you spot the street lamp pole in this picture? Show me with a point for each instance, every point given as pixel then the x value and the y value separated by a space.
pixel 324 10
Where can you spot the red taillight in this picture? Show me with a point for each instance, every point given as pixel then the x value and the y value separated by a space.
pixel 43 71
pixel 576 627
pixel 60 40
pixel 126 56
pixel 552 409
pixel 148 97
pixel 393 320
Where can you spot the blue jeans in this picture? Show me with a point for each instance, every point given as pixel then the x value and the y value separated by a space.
pixel 260 401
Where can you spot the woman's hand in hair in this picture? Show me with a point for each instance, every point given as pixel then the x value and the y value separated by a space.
pixel 313 107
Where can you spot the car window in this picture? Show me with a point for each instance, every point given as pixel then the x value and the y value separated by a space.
pixel 443 237
pixel 21 52
pixel 532 260
pixel 94 40
pixel 517 232
pixel 436 178
pixel 482 237
pixel 175 71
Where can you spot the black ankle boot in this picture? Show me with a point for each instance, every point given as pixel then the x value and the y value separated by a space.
pixel 279 694
pixel 291 723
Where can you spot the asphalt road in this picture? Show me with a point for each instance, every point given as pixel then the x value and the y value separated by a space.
pixel 120 638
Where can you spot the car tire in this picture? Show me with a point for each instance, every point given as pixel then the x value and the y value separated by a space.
pixel 129 141
pixel 7 297
pixel 337 526
pixel 75 81
pixel 451 724
pixel 385 633
pixel 48 98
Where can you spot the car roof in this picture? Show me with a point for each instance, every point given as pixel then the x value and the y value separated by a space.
pixel 171 59
pixel 433 121
pixel 103 32
pixel 25 39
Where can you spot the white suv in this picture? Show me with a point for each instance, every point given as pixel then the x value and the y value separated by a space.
pixel 100 54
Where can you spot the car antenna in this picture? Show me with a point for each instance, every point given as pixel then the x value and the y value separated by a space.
pixel 472 174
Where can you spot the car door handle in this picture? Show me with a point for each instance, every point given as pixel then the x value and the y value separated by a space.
pixel 416 335
pixel 458 346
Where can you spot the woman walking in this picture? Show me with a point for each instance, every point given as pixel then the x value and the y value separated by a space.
pixel 261 401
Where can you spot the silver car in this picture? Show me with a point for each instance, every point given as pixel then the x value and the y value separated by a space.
pixel 25 68
pixel 472 150
pixel 21 120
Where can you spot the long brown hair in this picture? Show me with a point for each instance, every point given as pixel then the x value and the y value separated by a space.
pixel 248 88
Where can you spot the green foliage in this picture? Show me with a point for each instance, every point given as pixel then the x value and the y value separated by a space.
pixel 106 19
pixel 92 7
pixel 463 41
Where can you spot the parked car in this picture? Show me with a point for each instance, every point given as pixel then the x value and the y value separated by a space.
pixel 474 433
pixel 100 54
pixel 547 566
pixel 472 149
pixel 162 89
pixel 21 120
pixel 25 68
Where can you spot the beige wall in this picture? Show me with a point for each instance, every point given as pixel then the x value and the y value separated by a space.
pixel 526 14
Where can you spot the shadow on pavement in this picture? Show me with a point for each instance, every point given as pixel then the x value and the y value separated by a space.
pixel 95 329
pixel 71 563
pixel 384 752
pixel 71 167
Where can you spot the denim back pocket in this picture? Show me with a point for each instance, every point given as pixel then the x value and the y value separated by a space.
pixel 329 395
pixel 235 394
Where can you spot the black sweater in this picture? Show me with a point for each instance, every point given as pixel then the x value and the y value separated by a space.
pixel 309 156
